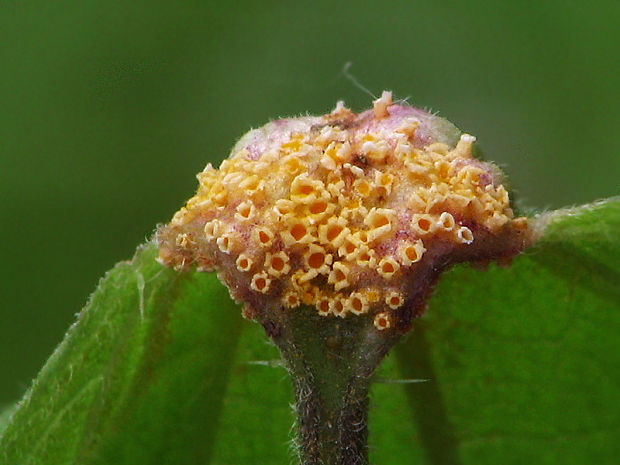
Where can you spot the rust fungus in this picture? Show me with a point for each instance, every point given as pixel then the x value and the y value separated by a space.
pixel 351 214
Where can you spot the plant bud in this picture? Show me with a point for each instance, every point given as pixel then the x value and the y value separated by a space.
pixel 354 214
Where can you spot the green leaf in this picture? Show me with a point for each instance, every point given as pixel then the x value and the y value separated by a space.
pixel 5 416
pixel 138 379
pixel 520 362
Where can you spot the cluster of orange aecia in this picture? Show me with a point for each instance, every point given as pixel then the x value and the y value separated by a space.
pixel 335 211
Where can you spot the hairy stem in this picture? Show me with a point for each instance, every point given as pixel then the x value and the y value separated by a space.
pixel 331 362
pixel 332 430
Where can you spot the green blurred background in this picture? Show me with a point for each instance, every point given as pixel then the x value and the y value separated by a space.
pixel 109 108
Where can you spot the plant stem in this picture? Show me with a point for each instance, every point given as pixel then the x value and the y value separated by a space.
pixel 332 430
pixel 331 362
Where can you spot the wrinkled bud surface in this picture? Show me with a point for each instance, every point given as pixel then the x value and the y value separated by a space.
pixel 350 213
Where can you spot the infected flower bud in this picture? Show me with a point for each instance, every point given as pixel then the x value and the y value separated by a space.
pixel 353 214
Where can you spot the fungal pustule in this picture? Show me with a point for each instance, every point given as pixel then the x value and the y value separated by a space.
pixel 318 209
pixel 383 182
pixel 277 264
pixel 245 211
pixel 423 224
pixel 379 222
pixel 212 229
pixel 388 267
pixel 323 306
pixel 298 231
pixel 290 299
pixel 374 204
pixel 284 207
pixel 394 299
pixel 305 189
pixel 334 232
pixel 446 222
pixel 261 282
pixel 339 275
pixel 362 187
pixel 349 248
pixel 357 303
pixel 464 235
pixel 337 306
pixel 316 258
pixel 263 236
pixel 382 321
pixel 244 262
pixel 366 257
pixel 225 242
pixel 410 253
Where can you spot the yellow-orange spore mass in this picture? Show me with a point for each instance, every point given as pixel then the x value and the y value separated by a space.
pixel 338 211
